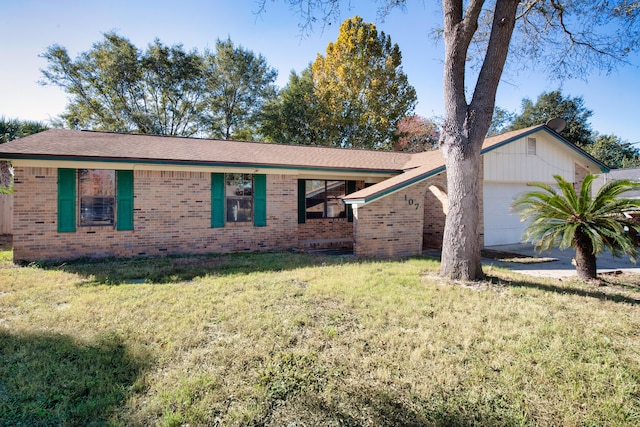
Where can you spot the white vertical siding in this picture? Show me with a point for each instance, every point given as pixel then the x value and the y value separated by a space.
pixel 511 163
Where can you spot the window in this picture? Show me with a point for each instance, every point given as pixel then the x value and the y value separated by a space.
pixel 531 146
pixel 97 196
pixel 100 197
pixel 239 197
pixel 323 199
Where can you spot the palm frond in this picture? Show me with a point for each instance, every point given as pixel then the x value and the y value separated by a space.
pixel 556 216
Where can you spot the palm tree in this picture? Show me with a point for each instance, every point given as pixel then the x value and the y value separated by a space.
pixel 588 224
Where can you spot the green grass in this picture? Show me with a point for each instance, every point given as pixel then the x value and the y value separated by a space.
pixel 292 339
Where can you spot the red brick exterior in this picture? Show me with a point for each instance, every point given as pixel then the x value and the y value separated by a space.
pixel 172 215
pixel 392 225
pixel 322 233
pixel 435 211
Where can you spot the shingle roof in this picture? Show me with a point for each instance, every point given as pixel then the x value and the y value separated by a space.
pixel 431 163
pixel 117 147
pixel 87 145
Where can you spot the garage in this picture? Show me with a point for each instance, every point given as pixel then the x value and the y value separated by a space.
pixel 501 225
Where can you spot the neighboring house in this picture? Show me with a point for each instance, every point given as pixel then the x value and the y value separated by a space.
pixel 97 194
pixel 617 174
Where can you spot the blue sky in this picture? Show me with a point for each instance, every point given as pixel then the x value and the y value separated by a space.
pixel 30 26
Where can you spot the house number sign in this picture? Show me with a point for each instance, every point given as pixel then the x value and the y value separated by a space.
pixel 411 202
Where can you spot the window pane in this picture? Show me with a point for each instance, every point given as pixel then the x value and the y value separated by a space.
pixel 97 190
pixel 239 184
pixel 324 199
pixel 239 209
pixel 97 182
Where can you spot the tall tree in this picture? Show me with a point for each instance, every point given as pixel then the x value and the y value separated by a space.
pixel 361 85
pixel 116 87
pixel 588 224
pixel 501 121
pixel 553 104
pixel 566 38
pixel 11 129
pixel 614 152
pixel 238 83
pixel 416 134
pixel 607 148
pixel 293 116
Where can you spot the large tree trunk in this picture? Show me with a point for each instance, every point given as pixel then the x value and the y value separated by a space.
pixel 585 258
pixel 466 125
pixel 461 245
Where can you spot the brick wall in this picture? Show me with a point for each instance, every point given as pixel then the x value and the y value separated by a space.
pixel 326 233
pixel 580 174
pixel 172 215
pixel 435 211
pixel 392 225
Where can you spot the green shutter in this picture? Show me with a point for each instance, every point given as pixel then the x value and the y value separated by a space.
pixel 66 200
pixel 351 188
pixel 302 201
pixel 217 200
pixel 260 200
pixel 124 200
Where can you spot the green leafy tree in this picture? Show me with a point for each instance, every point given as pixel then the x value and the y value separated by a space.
pixel 362 88
pixel 416 134
pixel 588 224
pixel 116 87
pixel 561 37
pixel 11 129
pixel 293 116
pixel 607 148
pixel 238 83
pixel 614 152
pixel 501 121
pixel 553 104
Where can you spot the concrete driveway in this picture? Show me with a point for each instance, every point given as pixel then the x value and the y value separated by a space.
pixel 562 266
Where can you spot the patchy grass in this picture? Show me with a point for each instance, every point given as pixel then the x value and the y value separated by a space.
pixel 294 339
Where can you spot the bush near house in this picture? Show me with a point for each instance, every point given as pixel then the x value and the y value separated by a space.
pixel 292 339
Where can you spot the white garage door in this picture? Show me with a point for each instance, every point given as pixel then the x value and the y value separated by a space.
pixel 501 226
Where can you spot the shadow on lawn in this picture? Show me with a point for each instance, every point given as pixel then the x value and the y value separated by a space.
pixel 173 269
pixel 53 380
pixel 608 295
pixel 373 406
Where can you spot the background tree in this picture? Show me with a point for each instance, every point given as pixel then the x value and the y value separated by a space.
pixel 614 152
pixel 116 87
pixel 609 149
pixel 11 129
pixel 589 225
pixel 293 116
pixel 565 38
pixel 501 121
pixel 362 87
pixel 553 104
pixel 416 134
pixel 238 83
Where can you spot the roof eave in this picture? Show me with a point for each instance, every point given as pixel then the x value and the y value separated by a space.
pixel 172 162
pixel 394 188
pixel 603 168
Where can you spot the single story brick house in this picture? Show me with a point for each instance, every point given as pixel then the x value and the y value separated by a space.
pixel 98 194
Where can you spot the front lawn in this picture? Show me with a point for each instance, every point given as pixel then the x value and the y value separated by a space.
pixel 293 339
